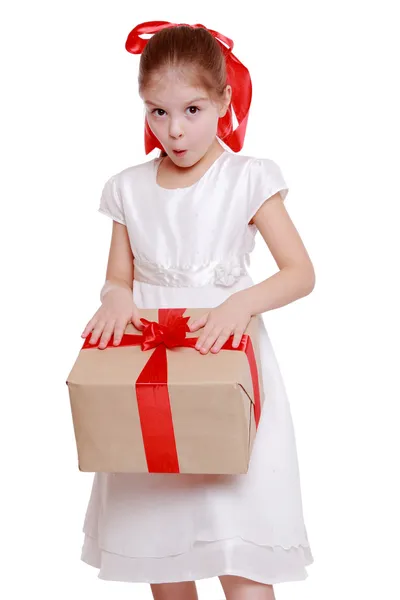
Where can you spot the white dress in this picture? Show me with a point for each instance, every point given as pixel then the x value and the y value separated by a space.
pixel 191 247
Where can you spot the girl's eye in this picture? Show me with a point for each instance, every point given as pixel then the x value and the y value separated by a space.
pixel 196 108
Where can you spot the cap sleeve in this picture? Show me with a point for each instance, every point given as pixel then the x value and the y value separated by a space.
pixel 111 203
pixel 265 180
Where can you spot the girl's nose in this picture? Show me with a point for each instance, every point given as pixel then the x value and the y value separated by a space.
pixel 175 129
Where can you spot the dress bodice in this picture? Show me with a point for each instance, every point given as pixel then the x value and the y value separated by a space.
pixel 196 235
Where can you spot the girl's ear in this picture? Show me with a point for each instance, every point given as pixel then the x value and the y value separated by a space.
pixel 226 101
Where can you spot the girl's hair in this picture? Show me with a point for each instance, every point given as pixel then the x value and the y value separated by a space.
pixel 192 50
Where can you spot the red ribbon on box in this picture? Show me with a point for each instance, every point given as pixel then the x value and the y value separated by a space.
pixel 152 384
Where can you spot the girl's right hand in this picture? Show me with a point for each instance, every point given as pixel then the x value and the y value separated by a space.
pixel 115 312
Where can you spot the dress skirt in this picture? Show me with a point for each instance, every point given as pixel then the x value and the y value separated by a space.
pixel 160 528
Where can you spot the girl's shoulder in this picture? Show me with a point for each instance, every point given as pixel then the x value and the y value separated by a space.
pixel 256 168
pixel 256 162
pixel 135 172
pixel 264 179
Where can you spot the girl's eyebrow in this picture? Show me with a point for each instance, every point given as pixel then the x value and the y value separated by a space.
pixel 186 103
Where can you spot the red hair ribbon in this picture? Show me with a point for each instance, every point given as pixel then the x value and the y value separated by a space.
pixel 238 77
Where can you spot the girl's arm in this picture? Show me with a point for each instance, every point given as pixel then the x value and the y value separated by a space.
pixel 117 307
pixel 295 279
pixel 120 269
pixel 296 276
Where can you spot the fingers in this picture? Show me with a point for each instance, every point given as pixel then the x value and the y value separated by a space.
pixel 87 330
pixel 103 329
pixel 137 322
pixel 214 335
pixel 105 336
pixel 95 327
pixel 89 327
pixel 237 338
pixel 224 337
pixel 111 321
pixel 106 330
pixel 221 339
pixel 119 331
pixel 197 324
pixel 201 340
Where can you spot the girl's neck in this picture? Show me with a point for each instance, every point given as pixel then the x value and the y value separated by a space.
pixel 170 176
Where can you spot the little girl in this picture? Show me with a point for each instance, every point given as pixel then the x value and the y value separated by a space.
pixel 184 225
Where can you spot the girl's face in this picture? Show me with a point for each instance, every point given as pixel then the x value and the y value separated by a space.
pixel 182 117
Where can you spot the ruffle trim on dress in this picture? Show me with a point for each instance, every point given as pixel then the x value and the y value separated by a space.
pixel 205 559
pixel 219 271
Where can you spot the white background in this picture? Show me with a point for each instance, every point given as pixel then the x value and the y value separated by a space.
pixel 325 108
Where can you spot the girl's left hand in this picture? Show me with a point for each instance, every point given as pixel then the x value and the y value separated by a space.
pixel 230 317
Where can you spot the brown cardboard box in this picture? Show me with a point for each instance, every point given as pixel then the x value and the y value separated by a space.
pixel 166 409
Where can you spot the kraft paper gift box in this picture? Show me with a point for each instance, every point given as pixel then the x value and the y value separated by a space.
pixel 155 404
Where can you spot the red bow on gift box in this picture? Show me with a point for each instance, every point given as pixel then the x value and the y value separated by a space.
pixel 158 433
pixel 238 77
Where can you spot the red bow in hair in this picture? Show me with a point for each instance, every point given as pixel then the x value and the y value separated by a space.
pixel 238 77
